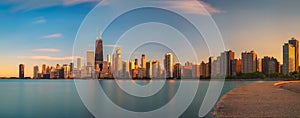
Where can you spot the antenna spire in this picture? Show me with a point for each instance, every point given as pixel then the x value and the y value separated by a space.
pixel 97 34
pixel 101 34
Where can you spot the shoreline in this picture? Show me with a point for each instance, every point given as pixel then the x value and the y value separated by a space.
pixel 261 100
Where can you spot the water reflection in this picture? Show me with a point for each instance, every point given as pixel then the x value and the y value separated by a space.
pixel 59 98
pixel 135 103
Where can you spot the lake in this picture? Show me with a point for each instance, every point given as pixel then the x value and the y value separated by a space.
pixel 59 98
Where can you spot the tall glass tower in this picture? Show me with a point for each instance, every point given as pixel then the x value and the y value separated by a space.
pixel 21 71
pixel 99 53
pixel 295 43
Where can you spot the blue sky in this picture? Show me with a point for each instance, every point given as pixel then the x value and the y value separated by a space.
pixel 36 32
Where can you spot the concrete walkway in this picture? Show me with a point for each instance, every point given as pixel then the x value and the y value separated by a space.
pixel 261 100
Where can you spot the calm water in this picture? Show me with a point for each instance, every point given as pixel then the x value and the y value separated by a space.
pixel 59 98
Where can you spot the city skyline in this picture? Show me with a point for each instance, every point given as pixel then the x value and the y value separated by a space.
pixel 223 64
pixel 53 44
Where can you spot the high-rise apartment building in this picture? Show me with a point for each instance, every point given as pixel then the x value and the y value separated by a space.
pixel 143 61
pixel 177 71
pixel 236 66
pixel 168 64
pixel 259 64
pixel 35 72
pixel 118 63
pixel 226 59
pixel 196 71
pixel 149 69
pixel 90 58
pixel 249 62
pixel 156 69
pixel 43 69
pixel 210 62
pixel 21 71
pixel 78 63
pixel 295 43
pixel 288 59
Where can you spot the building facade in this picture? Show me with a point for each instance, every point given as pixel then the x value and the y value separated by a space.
pixel 295 43
pixel 168 64
pixel 21 71
pixel 249 62
pixel 288 59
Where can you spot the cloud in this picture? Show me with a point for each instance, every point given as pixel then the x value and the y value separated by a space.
pixel 47 58
pixel 51 36
pixel 39 20
pixel 193 7
pixel 46 50
pixel 111 46
pixel 73 2
pixel 27 5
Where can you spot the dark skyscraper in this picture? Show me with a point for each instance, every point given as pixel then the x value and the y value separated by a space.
pixel 136 62
pixel 265 64
pixel 295 43
pixel 21 71
pixel 99 53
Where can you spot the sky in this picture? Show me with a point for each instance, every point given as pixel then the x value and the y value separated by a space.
pixel 43 32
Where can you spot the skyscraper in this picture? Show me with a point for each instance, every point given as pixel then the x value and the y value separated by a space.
pixel 99 53
pixel 216 67
pixel 236 66
pixel 288 58
pixel 210 62
pixel 226 62
pixel 249 62
pixel 125 69
pixel 177 71
pixel 21 71
pixel 118 63
pixel 196 71
pixel 90 58
pixel 168 64
pixel 143 61
pixel 149 69
pixel 136 63
pixel 259 65
pixel 131 65
pixel 156 69
pixel 78 63
pixel 35 72
pixel 108 58
pixel 43 69
pixel 113 65
pixel 187 70
pixel 265 64
pixel 295 43
pixel 273 66
pixel 202 69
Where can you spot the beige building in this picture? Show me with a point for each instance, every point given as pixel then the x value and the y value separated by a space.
pixel 249 62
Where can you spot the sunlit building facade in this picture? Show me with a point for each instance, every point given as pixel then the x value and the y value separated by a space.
pixel 288 59
pixel 149 69
pixel 295 43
